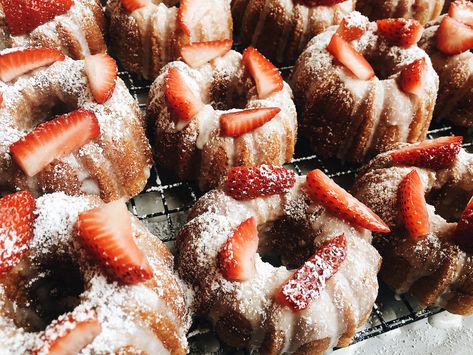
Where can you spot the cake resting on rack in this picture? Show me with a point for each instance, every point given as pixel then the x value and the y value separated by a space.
pixel 421 192
pixel 75 27
pixel 236 239
pixel 219 109
pixel 362 86
pixel 68 125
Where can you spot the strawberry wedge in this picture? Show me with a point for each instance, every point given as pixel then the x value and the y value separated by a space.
pixel 338 201
pixel 54 139
pixel 190 13
pixel 237 256
pixel 413 206
pixel 463 235
pixel 353 26
pixel 350 58
pixel 106 233
pixel 400 32
pixel 199 53
pixel 454 37
pixel 235 124
pixel 433 154
pixel 19 62
pixel 101 71
pixel 413 77
pixel 311 278
pixel 16 227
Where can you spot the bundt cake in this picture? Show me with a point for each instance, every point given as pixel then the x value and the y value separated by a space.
pixel 147 34
pixel 421 10
pixel 280 29
pixel 449 41
pixel 420 191
pixel 233 110
pixel 75 27
pixel 238 236
pixel 81 276
pixel 96 145
pixel 362 86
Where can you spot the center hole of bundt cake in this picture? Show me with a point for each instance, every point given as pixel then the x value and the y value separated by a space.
pixel 52 290
pixel 45 109
pixel 225 95
pixel 449 202
pixel 285 242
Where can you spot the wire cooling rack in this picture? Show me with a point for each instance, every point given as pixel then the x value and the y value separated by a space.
pixel 164 202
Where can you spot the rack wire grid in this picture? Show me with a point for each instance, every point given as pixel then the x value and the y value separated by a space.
pixel 163 204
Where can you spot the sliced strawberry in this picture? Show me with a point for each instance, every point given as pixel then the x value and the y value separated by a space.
pixel 16 63
pixel 54 139
pixel 69 334
pixel 400 32
pixel 16 227
pixel 24 16
pixel 101 71
pixel 353 26
pixel 413 206
pixel 248 182
pixel 338 201
pixel 413 77
pixel 320 2
pixel 267 77
pixel 462 11
pixel 237 256
pixel 199 53
pixel 433 154
pixel 454 37
pixel 311 278
pixel 106 232
pixel 132 5
pixel 463 235
pixel 180 97
pixel 190 13
pixel 234 124
pixel 350 58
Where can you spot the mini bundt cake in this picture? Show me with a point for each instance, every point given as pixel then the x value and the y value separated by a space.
pixel 420 10
pixel 98 148
pixel 280 29
pixel 75 27
pixel 81 276
pixel 220 110
pixel 420 191
pixel 362 86
pixel 263 217
pixel 449 41
pixel 147 34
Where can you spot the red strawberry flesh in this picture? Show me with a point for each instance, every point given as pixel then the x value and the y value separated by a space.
pixel 199 53
pixel 433 154
pixel 101 70
pixel 400 32
pixel 132 5
pixel 237 256
pixel 235 124
pixel 413 77
pixel 463 235
pixel 353 26
pixel 310 279
pixel 454 37
pixel 338 201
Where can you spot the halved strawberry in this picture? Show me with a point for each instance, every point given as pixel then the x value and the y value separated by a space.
pixel 353 26
pixel 234 124
pixel 16 227
pixel 68 334
pixel 463 235
pixel 53 139
pixel 413 206
pixel 16 63
pixel 338 201
pixel 400 32
pixel 462 11
pixel 101 71
pixel 190 13
pixel 248 182
pixel 267 77
pixel 106 232
pixel 311 278
pixel 433 154
pixel 237 256
pixel 132 5
pixel 1 99
pixel 180 97
pixel 413 77
pixel 199 53
pixel 454 37
pixel 24 16
pixel 350 58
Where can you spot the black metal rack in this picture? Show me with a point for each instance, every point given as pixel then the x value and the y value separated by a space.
pixel 163 203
